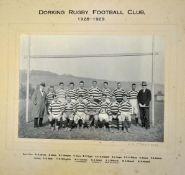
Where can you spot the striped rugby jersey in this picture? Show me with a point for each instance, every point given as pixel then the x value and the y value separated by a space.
pixel 113 108
pixel 107 92
pixel 92 106
pixel 61 93
pixel 69 107
pixel 132 94
pixel 72 93
pixel 50 97
pixel 119 93
pixel 95 92
pixel 80 106
pixel 104 106
pixel 82 92
pixel 125 106
pixel 55 108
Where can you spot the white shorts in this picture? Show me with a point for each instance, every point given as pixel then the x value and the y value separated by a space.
pixel 124 115
pixel 51 117
pixel 135 107
pixel 68 115
pixel 104 116
pixel 78 116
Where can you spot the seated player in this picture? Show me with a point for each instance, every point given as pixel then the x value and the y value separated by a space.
pixel 68 114
pixel 80 116
pixel 113 112
pixel 55 112
pixel 92 111
pixel 104 118
pixel 125 117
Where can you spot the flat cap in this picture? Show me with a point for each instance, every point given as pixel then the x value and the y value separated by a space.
pixel 144 83
pixel 43 84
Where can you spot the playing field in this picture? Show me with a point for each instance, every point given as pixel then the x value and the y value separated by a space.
pixel 154 134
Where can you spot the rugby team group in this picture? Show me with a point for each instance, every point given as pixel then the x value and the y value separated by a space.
pixel 92 108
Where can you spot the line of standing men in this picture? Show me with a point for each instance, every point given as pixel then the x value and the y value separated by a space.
pixel 105 99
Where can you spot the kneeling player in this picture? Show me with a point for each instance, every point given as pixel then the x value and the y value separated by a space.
pixel 80 118
pixel 103 115
pixel 113 112
pixel 68 114
pixel 54 113
pixel 125 117
pixel 92 111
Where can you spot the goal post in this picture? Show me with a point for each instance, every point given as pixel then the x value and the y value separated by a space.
pixel 29 57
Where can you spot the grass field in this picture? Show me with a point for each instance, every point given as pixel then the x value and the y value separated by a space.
pixel 154 134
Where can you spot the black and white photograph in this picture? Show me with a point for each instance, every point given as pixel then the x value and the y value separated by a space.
pixel 92 87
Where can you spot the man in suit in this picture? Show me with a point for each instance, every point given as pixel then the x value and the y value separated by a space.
pixel 39 103
pixel 144 98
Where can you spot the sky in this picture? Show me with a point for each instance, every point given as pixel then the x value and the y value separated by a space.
pixel 133 68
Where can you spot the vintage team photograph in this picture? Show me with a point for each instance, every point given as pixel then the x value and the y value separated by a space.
pixel 92 87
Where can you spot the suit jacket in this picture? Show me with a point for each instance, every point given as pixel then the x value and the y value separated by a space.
pixel 144 97
pixel 39 102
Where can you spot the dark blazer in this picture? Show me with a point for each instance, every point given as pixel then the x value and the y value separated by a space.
pixel 144 97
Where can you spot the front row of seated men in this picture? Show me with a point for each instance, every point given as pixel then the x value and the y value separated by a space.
pixel 90 114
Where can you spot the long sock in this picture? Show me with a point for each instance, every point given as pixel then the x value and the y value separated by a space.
pixel 35 122
pixel 96 123
pixel 136 121
pixel 40 121
pixel 120 125
pixel 110 125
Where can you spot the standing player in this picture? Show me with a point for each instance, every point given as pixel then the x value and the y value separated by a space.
pixel 71 92
pixel 80 116
pixel 92 111
pixel 113 112
pixel 68 114
pixel 106 91
pixel 125 109
pixel 61 92
pixel 103 115
pixel 144 98
pixel 49 97
pixel 95 92
pixel 119 93
pixel 55 111
pixel 132 96
pixel 81 91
